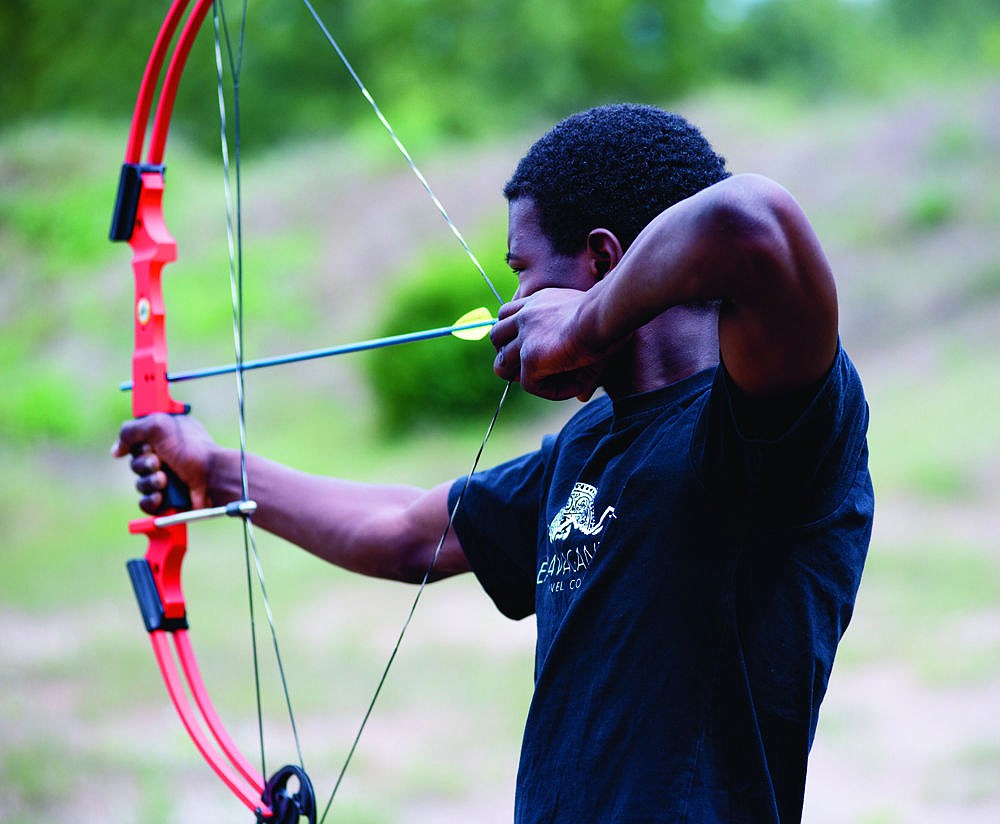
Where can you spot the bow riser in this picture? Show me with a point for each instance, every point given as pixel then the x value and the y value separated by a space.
pixel 156 578
pixel 165 556
pixel 152 248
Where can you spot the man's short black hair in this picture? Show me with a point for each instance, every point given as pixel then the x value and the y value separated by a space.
pixel 615 167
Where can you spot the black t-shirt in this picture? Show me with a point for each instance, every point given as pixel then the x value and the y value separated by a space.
pixel 691 584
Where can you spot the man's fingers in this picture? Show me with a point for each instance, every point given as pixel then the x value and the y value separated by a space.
pixel 150 504
pixel 507 363
pixel 135 433
pixel 580 383
pixel 152 484
pixel 502 333
pixel 159 441
pixel 510 308
pixel 145 462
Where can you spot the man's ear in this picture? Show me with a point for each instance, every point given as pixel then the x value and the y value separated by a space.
pixel 604 252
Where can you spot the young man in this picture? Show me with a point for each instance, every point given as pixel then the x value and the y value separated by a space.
pixel 692 542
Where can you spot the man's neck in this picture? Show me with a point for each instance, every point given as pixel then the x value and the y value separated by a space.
pixel 679 343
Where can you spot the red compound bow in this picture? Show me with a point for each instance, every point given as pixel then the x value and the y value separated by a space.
pixel 287 796
pixel 156 578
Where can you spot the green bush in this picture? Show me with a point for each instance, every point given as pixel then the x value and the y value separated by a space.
pixel 444 381
pixel 931 207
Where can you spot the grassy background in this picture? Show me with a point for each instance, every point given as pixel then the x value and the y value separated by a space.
pixel 902 188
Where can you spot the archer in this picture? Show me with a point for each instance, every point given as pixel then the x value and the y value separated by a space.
pixel 728 456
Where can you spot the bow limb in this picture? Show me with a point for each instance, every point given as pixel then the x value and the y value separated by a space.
pixel 156 578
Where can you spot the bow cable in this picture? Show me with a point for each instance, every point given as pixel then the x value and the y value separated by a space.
pixel 234 232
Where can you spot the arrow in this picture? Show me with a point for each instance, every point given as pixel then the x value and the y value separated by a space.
pixel 474 325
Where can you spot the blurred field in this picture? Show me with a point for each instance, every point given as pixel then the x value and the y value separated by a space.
pixel 903 193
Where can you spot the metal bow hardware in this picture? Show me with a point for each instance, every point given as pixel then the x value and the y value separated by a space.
pixel 286 796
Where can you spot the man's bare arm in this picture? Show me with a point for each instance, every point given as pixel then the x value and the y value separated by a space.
pixel 746 242
pixel 384 531
pixel 743 242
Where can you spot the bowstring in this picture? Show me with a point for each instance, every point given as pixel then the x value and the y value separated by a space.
pixel 234 232
pixel 489 430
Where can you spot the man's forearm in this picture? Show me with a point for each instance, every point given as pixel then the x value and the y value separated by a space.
pixel 386 531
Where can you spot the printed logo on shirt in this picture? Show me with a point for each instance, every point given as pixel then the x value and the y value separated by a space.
pixel 578 513
pixel 577 518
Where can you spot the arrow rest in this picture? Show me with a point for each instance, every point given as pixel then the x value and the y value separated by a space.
pixel 288 807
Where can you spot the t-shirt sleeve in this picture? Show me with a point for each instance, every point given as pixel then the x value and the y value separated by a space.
pixel 497 524
pixel 796 472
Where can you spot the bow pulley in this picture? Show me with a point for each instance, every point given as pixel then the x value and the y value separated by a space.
pixel 288 805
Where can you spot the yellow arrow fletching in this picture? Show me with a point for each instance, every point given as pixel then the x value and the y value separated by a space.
pixel 480 315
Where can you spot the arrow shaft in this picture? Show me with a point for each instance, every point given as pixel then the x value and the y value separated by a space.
pixel 313 354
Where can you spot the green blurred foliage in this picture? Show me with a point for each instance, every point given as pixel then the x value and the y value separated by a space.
pixel 53 230
pixel 931 207
pixel 811 46
pixel 459 68
pixel 447 66
pixel 829 46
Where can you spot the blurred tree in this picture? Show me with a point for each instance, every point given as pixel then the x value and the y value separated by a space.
pixel 925 16
pixel 445 67
pixel 459 68
pixel 962 31
pixel 816 47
